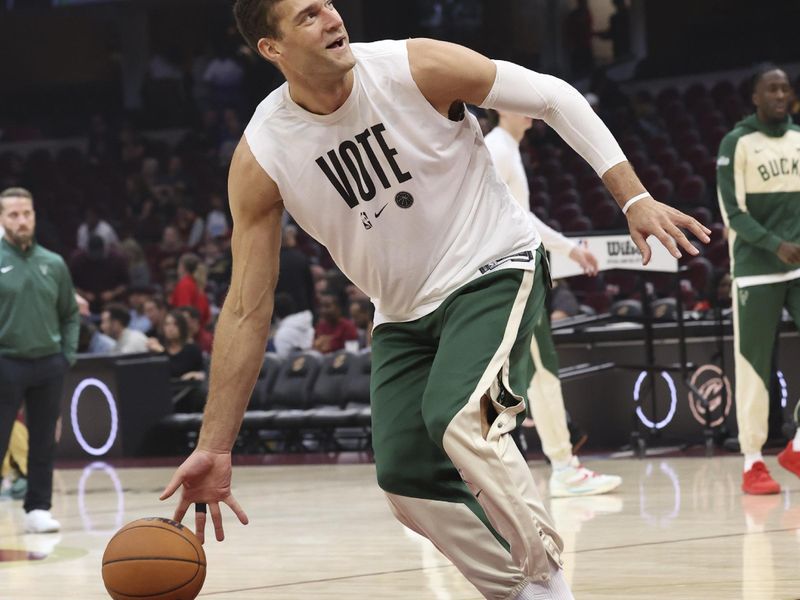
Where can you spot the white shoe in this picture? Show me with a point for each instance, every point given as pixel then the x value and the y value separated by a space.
pixel 41 521
pixel 576 480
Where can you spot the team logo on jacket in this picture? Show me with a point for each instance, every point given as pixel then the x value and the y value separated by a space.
pixel 404 200
pixel 44 269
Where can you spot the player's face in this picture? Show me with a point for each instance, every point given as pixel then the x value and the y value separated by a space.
pixel 772 96
pixel 18 219
pixel 314 40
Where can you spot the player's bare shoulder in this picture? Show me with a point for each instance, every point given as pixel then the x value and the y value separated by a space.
pixel 250 187
pixel 446 72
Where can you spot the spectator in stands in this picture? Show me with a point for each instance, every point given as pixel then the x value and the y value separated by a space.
pixel 759 196
pixel 578 39
pixel 294 276
pixel 170 249
pixel 136 301
pixel 619 30
pixel 185 357
pixel 138 269
pixel 191 226
pixel 100 276
pixel 294 330
pixel 92 341
pixel 197 333
pixel 563 303
pixel 94 225
pixel 155 309
pixel 187 292
pixel 361 313
pixel 217 224
pixel 224 78
pixel 333 330
pixel 114 321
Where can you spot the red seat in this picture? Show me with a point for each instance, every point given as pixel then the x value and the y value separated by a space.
pixel 693 190
pixel 606 216
pixel 680 172
pixel 578 225
pixel 663 190
pixel 566 213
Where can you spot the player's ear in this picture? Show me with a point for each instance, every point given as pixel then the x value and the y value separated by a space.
pixel 269 49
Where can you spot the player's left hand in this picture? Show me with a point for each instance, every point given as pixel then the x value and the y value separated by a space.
pixel 586 260
pixel 206 479
pixel 650 217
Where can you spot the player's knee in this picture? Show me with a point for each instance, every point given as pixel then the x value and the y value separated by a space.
pixel 391 474
pixel 437 419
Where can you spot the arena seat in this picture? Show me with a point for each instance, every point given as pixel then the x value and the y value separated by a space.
pixel 266 380
pixel 565 213
pixel 626 308
pixel 356 388
pixel 327 396
pixel 680 172
pixel 693 191
pixel 292 390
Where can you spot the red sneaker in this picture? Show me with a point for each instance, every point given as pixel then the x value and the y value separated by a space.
pixel 789 459
pixel 758 481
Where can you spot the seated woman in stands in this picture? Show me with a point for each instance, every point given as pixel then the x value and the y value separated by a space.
pixel 186 366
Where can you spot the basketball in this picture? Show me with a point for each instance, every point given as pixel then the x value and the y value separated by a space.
pixel 156 559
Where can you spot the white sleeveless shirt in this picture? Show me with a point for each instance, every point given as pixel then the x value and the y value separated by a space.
pixel 406 201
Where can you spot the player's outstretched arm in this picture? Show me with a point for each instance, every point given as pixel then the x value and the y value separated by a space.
pixel 239 342
pixel 447 73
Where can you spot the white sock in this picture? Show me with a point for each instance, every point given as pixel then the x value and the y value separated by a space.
pixel 560 465
pixel 796 441
pixel 555 589
pixel 751 459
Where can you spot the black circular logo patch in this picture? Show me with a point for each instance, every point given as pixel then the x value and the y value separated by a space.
pixel 404 200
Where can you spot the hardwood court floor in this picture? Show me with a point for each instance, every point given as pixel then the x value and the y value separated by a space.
pixel 678 529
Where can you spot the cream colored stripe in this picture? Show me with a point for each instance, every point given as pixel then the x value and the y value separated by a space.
pixel 752 396
pixel 751 280
pixel 492 466
pixel 463 538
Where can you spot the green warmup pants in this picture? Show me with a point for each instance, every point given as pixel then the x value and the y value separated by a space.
pixel 756 314
pixel 447 389
pixel 545 396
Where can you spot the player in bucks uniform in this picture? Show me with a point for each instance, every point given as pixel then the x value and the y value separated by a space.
pixel 758 173
pixel 371 150
pixel 569 477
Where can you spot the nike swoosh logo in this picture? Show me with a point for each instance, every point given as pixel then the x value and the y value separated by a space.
pixel 6 269
pixel 378 214
pixel 759 151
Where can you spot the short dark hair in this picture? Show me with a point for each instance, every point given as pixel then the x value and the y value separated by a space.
pixel 190 262
pixel 180 321
pixel 118 312
pixel 255 19
pixel 284 305
pixel 14 192
pixel 191 311
pixel 759 72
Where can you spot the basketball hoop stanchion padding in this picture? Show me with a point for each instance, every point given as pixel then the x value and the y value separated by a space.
pixel 618 252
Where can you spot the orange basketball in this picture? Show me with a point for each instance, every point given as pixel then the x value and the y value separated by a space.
pixel 154 559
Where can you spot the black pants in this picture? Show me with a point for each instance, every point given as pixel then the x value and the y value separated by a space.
pixel 38 383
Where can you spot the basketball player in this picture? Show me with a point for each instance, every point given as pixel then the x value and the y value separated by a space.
pixel 569 477
pixel 370 149
pixel 758 173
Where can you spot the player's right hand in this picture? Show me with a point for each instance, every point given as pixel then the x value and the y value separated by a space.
pixel 205 478
pixel 648 217
pixel 789 253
